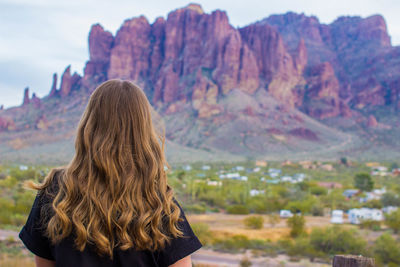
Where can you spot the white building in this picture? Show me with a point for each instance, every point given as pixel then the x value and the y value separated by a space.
pixel 206 167
pixel 187 168
pixel 214 183
pixel 239 168
pixel 256 192
pixel 285 214
pixel 337 216
pixel 287 178
pixel 356 216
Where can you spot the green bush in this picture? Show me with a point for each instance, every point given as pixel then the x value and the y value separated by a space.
pixel 387 250
pixel 196 208
pixel 318 190
pixel 296 224
pixel 203 232
pixel 371 225
pixel 317 210
pixel 302 247
pixel 336 240
pixel 392 220
pixel 254 222
pixel 238 209
pixel 232 244
pixel 245 262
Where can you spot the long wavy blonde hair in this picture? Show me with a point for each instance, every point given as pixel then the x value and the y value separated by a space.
pixel 114 192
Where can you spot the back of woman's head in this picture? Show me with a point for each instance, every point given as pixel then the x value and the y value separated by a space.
pixel 114 192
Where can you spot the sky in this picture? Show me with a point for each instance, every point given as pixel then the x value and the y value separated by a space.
pixel 41 37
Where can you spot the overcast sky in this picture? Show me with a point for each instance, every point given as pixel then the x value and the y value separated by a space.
pixel 41 37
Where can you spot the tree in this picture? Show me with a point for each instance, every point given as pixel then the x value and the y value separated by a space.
pixel 363 181
pixel 393 220
pixel 296 224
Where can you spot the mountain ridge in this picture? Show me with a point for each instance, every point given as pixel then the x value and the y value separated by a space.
pixel 313 75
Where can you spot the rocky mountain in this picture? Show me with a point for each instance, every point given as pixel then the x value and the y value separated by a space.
pixel 285 87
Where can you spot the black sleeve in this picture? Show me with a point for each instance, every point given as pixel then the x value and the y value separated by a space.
pixel 179 247
pixel 32 233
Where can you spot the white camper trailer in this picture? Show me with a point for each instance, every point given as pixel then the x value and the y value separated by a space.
pixel 337 216
pixel 356 216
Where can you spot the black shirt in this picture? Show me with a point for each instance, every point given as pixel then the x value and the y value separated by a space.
pixel 65 255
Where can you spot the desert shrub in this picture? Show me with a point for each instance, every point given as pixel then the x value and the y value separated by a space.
pixel 371 225
pixel 318 190
pixel 6 211
pixel 392 220
pixel 301 247
pixel 304 206
pixel 232 244
pixel 273 219
pixel 296 224
pixel 8 182
pixel 374 204
pixel 254 222
pixel 390 199
pixel 203 232
pixel 387 250
pixel 317 210
pixel 238 209
pixel 195 208
pixel 336 240
pixel 245 262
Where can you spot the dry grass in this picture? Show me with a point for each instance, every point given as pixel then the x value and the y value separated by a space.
pixel 7 261
pixel 226 225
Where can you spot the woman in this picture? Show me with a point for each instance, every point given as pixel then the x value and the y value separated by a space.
pixel 111 205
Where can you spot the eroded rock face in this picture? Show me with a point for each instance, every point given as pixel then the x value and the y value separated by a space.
pixel 26 97
pixel 304 133
pixel 6 124
pixel 66 83
pixel 322 96
pixel 199 58
pixel 372 122
pixel 35 101
pixel 53 90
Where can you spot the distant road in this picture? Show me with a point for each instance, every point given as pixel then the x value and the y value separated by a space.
pixel 213 258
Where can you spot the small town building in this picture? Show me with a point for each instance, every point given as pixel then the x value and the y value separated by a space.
pixel 337 216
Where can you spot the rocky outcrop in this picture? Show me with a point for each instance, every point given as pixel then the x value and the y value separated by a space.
pixel 53 90
pixel 372 122
pixel 322 96
pixel 304 133
pixel 35 101
pixel 6 124
pixel 66 83
pixel 26 97
pixel 196 58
